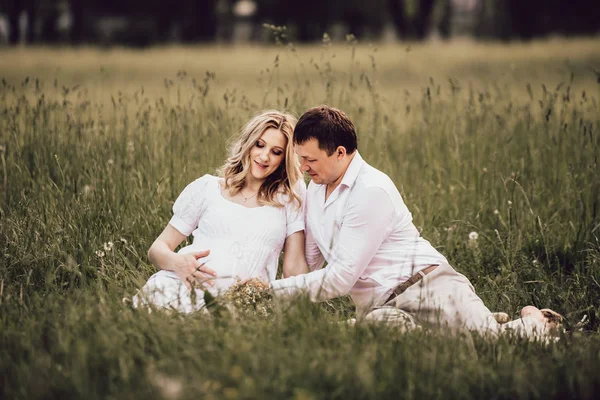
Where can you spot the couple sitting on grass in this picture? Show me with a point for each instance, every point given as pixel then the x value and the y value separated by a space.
pixel 351 216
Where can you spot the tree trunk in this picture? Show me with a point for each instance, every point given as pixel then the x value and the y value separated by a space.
pixel 398 17
pixel 423 19
pixel 13 21
pixel 78 29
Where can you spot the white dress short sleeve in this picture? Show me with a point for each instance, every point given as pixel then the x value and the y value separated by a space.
pixel 190 206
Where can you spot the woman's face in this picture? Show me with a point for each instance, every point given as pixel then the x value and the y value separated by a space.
pixel 267 154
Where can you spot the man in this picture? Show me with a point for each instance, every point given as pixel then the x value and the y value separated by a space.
pixel 357 221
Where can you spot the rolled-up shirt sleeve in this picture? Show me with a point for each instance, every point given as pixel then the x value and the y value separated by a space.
pixel 314 257
pixel 365 226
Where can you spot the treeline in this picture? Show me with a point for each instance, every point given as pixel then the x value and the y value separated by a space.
pixel 143 22
pixel 527 19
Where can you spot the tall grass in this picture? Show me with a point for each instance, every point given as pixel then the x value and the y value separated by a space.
pixel 96 145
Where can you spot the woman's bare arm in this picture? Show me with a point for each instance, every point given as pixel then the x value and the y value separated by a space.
pixel 188 267
pixel 294 261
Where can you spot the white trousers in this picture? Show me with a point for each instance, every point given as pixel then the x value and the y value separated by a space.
pixel 446 298
pixel 165 290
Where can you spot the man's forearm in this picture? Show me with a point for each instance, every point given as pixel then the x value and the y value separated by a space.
pixel 317 284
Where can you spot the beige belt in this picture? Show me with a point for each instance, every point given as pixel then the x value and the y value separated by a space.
pixel 411 281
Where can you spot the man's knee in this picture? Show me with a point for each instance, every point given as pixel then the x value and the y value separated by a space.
pixel 392 316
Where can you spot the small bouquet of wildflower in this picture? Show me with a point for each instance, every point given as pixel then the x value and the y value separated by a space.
pixel 249 297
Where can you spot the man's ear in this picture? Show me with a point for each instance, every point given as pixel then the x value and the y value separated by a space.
pixel 340 152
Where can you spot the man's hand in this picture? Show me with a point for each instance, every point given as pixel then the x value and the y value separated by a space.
pixel 191 270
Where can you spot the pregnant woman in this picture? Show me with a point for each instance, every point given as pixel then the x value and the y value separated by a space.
pixel 241 220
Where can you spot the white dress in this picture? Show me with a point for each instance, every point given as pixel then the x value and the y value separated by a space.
pixel 243 242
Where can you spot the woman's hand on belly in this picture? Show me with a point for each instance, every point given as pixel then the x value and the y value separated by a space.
pixel 186 265
pixel 191 270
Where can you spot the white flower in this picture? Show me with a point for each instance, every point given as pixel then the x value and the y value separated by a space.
pixel 496 212
pixel 510 203
pixel 88 191
pixel 123 240
pixel 110 161
pixel 100 253
pixel 108 246
pixel 169 387
pixel 473 236
pixel 582 323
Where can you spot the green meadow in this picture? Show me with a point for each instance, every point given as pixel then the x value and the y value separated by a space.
pixel 96 144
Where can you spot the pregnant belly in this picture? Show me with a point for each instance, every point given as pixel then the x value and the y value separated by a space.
pixel 229 266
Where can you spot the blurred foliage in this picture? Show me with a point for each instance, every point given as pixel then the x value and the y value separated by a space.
pixel 508 19
pixel 188 21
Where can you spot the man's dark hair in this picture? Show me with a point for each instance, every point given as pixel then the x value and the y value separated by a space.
pixel 330 126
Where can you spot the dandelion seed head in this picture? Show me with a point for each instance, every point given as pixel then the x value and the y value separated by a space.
pixel 87 191
pixel 169 387
pixel 473 236
pixel 496 212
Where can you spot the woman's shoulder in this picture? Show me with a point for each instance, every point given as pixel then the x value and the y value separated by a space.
pixel 299 189
pixel 200 185
pixel 208 178
pixel 204 180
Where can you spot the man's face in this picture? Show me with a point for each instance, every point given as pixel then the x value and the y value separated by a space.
pixel 323 169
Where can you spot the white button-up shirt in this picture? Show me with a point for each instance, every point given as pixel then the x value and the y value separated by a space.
pixel 365 233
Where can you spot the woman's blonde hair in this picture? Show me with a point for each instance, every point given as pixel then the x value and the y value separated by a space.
pixel 282 180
